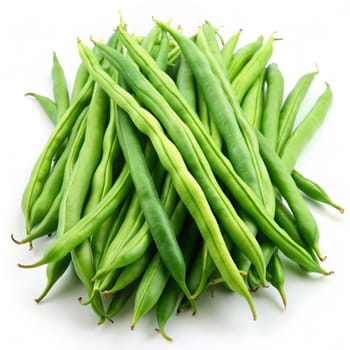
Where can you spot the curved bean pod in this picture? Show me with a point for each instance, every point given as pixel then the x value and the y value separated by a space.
pixel 49 106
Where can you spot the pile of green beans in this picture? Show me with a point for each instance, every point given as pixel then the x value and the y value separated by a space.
pixel 171 170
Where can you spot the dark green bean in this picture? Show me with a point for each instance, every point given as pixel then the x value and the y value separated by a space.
pixel 156 217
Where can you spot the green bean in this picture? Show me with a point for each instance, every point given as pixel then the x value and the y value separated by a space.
pixel 156 275
pixel 146 297
pixel 253 102
pixel 229 48
pixel 55 270
pixel 89 156
pixel 49 192
pixel 201 269
pixel 119 299
pixel 261 182
pixel 193 155
pixel 242 56
pixel 143 240
pixel 130 252
pixel 151 38
pixel 249 73
pixel 166 306
pixel 81 78
pixel 286 220
pixel 268 249
pixel 306 129
pixel 162 56
pixel 291 106
pixel 273 102
pixel 244 195
pixel 207 120
pixel 313 190
pixel 131 272
pixel 187 188
pixel 49 223
pixel 133 237
pixel 74 199
pixel 49 106
pixel 101 182
pixel 132 222
pixel 89 223
pixel 54 183
pixel 185 83
pixel 210 33
pixel 276 275
pixel 167 302
pixel 60 89
pixel 43 164
pixel 155 215
pixel 284 182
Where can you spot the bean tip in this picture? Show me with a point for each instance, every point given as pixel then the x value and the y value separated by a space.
pixel 15 240
pixel 23 266
pixel 29 266
pixel 317 70
pixel 163 334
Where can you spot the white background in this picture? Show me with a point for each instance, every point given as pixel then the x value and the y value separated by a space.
pixel 318 307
